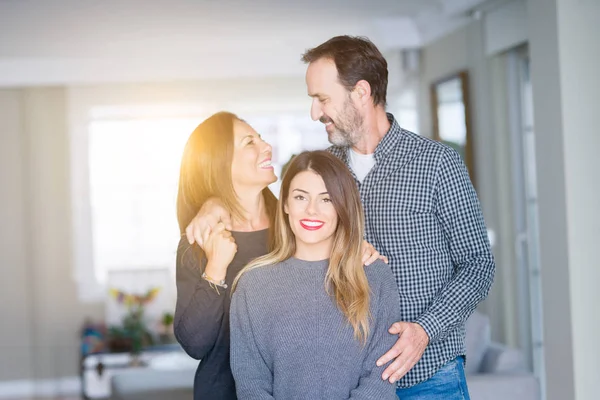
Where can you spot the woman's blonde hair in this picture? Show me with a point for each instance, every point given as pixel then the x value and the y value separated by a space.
pixel 346 280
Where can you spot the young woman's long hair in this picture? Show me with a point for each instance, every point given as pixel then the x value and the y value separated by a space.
pixel 346 280
pixel 206 170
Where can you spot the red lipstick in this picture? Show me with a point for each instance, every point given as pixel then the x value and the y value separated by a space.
pixel 311 224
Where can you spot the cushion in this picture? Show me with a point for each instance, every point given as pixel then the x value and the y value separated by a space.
pixel 478 338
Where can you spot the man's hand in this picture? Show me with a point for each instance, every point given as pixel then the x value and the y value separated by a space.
pixel 211 213
pixel 220 248
pixel 370 255
pixel 408 350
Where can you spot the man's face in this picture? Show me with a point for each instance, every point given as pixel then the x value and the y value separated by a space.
pixel 333 104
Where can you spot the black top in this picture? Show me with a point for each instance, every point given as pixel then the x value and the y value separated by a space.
pixel 202 315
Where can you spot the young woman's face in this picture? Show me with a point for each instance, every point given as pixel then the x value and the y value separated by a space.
pixel 251 164
pixel 312 217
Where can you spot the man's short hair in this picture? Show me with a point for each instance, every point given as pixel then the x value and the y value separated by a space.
pixel 356 58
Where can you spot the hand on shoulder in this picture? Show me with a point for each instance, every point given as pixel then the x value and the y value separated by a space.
pixel 213 211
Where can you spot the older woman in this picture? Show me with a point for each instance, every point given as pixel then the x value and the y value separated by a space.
pixel 223 157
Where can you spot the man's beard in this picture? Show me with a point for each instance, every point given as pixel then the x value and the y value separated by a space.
pixel 347 128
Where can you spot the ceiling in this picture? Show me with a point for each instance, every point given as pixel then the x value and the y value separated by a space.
pixel 92 41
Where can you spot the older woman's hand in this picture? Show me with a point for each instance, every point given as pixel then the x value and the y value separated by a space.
pixel 370 255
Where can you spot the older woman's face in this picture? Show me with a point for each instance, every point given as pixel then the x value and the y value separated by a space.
pixel 251 165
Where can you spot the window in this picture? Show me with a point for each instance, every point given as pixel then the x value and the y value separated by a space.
pixel 525 206
pixel 406 110
pixel 134 172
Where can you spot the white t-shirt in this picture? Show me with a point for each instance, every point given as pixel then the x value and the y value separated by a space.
pixel 361 164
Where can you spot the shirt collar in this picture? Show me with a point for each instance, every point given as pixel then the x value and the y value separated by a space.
pixel 390 139
pixel 385 146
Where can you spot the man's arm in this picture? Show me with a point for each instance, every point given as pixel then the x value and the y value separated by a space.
pixel 459 212
pixel 211 213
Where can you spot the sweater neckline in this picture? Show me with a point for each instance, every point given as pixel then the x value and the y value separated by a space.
pixel 296 262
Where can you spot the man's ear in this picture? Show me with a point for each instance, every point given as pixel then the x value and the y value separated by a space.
pixel 363 91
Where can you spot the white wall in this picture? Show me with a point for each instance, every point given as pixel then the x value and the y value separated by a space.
pixel 579 52
pixel 16 342
pixel 40 336
pixel 565 59
pixel 505 27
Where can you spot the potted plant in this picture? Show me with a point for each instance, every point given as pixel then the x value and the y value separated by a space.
pixel 166 335
pixel 133 335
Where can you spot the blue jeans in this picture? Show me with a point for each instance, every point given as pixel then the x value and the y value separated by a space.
pixel 448 383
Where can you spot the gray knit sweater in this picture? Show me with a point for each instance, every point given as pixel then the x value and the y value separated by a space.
pixel 290 341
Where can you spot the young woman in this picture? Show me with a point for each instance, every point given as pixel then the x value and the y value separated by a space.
pixel 226 158
pixel 308 320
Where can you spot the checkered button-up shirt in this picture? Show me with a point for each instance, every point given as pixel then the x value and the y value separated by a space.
pixel 423 214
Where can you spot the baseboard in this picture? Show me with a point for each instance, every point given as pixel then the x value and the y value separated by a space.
pixel 25 388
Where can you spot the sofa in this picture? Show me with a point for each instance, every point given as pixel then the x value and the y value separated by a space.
pixel 494 372
pixel 170 376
